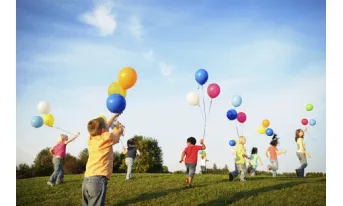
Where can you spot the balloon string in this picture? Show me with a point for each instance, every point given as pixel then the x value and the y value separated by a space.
pixel 237 131
pixel 242 125
pixel 209 110
pixel 203 100
pixel 201 113
pixel 58 127
pixel 310 135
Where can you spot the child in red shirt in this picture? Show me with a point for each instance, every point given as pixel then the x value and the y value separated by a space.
pixel 191 160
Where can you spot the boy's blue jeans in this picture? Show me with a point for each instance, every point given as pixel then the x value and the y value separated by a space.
pixel 253 170
pixel 94 191
pixel 58 174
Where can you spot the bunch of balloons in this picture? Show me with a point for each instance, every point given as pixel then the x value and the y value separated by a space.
pixel 304 121
pixel 47 118
pixel 263 129
pixel 232 114
pixel 117 91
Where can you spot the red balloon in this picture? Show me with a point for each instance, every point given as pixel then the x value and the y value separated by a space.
pixel 304 121
pixel 213 90
pixel 241 117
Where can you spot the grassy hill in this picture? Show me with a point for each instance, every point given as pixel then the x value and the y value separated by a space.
pixel 169 189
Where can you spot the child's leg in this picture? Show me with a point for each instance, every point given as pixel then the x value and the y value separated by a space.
pixel 53 177
pixel 128 162
pixel 275 166
pixel 94 190
pixel 243 169
pixel 191 173
pixel 253 170
pixel 60 176
pixel 303 160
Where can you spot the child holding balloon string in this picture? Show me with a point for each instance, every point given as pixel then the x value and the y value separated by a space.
pixel 240 164
pixel 301 152
pixel 273 153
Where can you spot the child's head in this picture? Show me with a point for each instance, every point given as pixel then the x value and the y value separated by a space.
pixel 275 140
pixel 96 126
pixel 299 133
pixel 191 140
pixel 254 150
pixel 241 140
pixel 131 142
pixel 62 138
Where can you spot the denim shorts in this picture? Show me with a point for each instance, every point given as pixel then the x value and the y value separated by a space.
pixel 190 169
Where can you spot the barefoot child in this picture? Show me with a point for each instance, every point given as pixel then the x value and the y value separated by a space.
pixel 100 161
pixel 131 152
pixel 253 160
pixel 191 160
pixel 273 153
pixel 240 155
pixel 59 152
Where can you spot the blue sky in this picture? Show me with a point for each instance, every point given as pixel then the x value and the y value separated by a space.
pixel 272 53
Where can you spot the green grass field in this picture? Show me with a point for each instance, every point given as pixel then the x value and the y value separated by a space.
pixel 169 189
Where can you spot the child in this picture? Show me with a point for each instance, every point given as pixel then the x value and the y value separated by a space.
pixel 191 153
pixel 203 164
pixel 253 160
pixel 59 152
pixel 301 152
pixel 100 161
pixel 273 153
pixel 131 152
pixel 240 155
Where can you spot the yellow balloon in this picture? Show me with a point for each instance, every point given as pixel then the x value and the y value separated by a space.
pixel 115 88
pixel 48 120
pixel 261 130
pixel 265 123
pixel 104 118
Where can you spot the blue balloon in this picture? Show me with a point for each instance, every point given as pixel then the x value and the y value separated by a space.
pixel 232 143
pixel 231 114
pixel 269 132
pixel 116 103
pixel 312 122
pixel 37 121
pixel 201 76
pixel 236 101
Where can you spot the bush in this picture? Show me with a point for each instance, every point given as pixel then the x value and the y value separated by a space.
pixel 24 171
pixel 43 163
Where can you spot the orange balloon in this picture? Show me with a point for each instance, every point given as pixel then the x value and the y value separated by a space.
pixel 127 77
pixel 265 123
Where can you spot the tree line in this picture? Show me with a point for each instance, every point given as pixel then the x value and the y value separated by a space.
pixel 150 162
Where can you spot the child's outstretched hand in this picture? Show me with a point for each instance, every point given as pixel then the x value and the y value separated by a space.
pixel 77 133
pixel 201 141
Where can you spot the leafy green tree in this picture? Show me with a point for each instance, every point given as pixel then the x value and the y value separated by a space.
pixel 43 163
pixel 82 161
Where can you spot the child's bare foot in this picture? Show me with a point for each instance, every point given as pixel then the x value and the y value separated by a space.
pixel 267 168
pixel 187 180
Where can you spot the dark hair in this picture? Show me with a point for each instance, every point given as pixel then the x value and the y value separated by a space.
pixel 275 140
pixel 254 150
pixel 297 134
pixel 192 140
pixel 131 142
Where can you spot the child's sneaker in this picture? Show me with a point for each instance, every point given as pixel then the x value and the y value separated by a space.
pixel 230 177
pixel 49 183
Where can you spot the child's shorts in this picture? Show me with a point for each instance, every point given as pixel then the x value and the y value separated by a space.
pixel 190 169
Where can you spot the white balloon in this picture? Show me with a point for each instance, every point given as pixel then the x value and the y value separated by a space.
pixel 193 98
pixel 43 107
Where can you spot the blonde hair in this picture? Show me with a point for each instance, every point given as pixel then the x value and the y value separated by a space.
pixel 241 140
pixel 62 137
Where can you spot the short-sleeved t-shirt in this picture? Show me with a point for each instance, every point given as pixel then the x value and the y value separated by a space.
pixel 100 160
pixel 60 150
pixel 301 145
pixel 240 151
pixel 203 162
pixel 192 153
pixel 253 159
pixel 132 152
pixel 272 152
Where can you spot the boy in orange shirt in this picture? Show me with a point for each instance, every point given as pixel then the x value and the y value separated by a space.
pixel 100 161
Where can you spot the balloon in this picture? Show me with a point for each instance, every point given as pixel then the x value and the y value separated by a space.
pixel 236 101
pixel 48 120
pixel 127 77
pixel 269 132
pixel 231 114
pixel 261 130
pixel 37 121
pixel 265 123
pixel 304 121
pixel 193 98
pixel 241 117
pixel 116 103
pixel 213 90
pixel 201 76
pixel 43 107
pixel 312 122
pixel 309 107
pixel 232 143
pixel 104 118
pixel 115 88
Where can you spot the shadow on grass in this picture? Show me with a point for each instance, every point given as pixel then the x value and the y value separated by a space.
pixel 224 200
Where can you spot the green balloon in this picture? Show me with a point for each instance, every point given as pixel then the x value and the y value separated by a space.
pixel 309 107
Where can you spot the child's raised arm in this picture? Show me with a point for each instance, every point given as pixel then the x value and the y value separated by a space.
pixel 71 139
pixel 139 153
pixel 111 121
pixel 280 153
pixel 117 133
pixel 202 144
pixel 182 157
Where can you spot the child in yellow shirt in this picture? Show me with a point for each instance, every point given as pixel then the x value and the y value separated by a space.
pixel 240 156
pixel 100 161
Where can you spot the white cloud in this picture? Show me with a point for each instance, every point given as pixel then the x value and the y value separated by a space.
pixel 135 27
pixel 101 18
pixel 149 56
pixel 165 69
